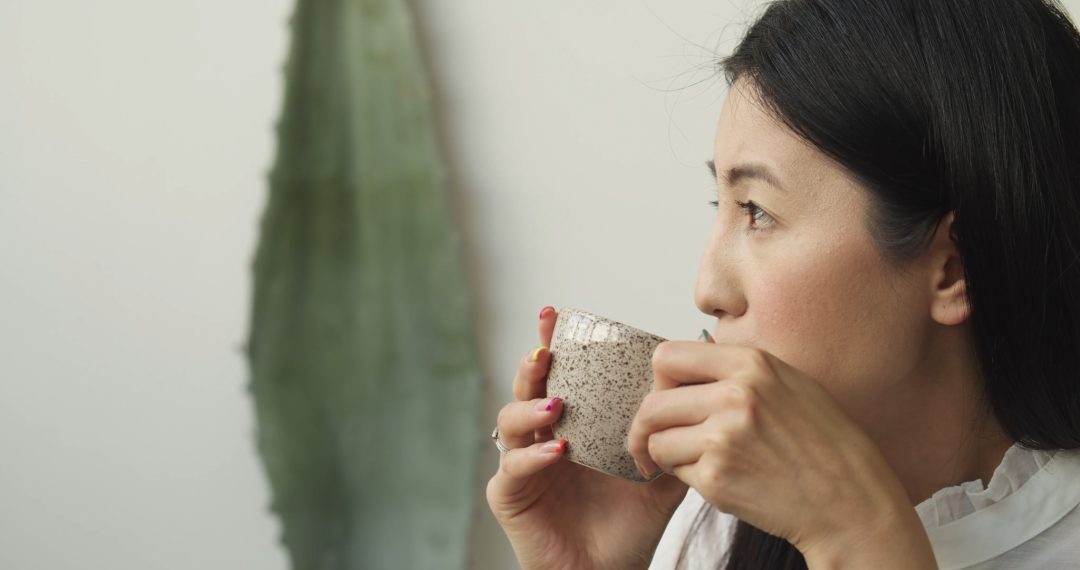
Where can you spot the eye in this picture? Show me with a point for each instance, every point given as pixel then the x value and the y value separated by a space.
pixel 757 215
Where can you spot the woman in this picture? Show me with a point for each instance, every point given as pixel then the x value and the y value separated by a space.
pixel 895 280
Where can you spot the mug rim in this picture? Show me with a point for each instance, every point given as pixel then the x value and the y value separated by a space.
pixel 635 330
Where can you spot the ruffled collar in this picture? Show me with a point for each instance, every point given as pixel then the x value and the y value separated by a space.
pixel 1029 491
pixel 956 502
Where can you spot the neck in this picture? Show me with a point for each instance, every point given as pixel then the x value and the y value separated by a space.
pixel 932 429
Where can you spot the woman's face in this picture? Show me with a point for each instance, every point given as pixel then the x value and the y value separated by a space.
pixel 800 276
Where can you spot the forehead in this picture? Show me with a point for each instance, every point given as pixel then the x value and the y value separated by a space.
pixel 746 132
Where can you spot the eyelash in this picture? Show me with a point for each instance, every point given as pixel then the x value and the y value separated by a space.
pixel 749 206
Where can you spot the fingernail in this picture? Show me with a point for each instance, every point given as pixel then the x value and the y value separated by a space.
pixel 536 353
pixel 547 405
pixel 705 336
pixel 641 470
pixel 554 446
pixel 546 311
pixel 654 475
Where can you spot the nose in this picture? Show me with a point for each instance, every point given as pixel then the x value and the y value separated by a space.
pixel 717 291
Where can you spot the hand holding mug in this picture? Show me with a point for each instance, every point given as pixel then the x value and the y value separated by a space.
pixel 762 441
pixel 558 513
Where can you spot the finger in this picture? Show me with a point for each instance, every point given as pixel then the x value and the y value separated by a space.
pixel 517 466
pixel 530 380
pixel 677 363
pixel 667 409
pixel 675 447
pixel 726 488
pixel 548 316
pixel 519 421
pixel 544 434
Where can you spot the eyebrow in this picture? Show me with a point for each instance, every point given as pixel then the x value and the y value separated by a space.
pixel 746 170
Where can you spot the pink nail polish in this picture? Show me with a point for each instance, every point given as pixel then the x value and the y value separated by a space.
pixel 552 403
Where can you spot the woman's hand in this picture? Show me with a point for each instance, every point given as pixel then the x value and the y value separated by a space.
pixel 760 440
pixel 558 514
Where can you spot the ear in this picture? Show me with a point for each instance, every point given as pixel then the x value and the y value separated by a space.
pixel 948 289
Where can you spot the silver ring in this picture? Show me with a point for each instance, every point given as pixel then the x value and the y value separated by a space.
pixel 503 450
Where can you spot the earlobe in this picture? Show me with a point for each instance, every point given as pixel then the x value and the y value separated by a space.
pixel 949 305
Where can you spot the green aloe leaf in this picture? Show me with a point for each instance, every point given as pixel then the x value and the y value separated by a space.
pixel 361 349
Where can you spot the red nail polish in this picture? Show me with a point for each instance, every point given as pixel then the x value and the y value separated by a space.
pixel 544 311
pixel 552 447
pixel 551 404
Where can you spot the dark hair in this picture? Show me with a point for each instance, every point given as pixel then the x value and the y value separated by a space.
pixel 969 106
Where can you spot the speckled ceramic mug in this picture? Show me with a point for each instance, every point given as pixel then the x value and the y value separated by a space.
pixel 603 370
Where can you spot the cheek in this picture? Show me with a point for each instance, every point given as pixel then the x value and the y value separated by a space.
pixel 798 316
pixel 833 319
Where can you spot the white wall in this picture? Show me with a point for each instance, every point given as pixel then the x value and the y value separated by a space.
pixel 134 137
pixel 134 140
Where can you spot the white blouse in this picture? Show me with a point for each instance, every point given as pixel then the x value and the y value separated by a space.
pixel 1027 517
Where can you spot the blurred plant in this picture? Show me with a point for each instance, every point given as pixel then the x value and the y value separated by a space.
pixel 361 349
